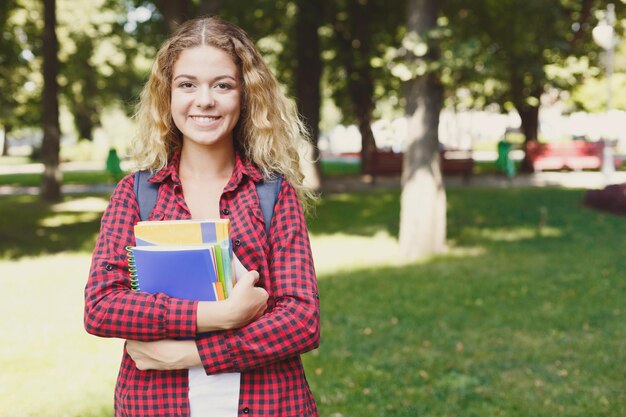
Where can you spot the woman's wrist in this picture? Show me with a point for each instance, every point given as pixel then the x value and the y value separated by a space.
pixel 214 315
pixel 166 354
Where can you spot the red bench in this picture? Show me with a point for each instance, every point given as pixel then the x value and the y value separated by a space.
pixel 575 155
pixel 453 162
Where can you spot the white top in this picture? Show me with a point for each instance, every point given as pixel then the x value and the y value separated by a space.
pixel 213 395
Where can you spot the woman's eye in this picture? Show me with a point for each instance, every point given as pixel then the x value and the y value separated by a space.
pixel 223 86
pixel 186 85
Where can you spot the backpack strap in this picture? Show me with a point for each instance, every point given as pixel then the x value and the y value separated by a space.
pixel 268 194
pixel 145 193
pixel 146 196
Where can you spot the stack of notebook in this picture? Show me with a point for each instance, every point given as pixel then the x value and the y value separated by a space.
pixel 187 259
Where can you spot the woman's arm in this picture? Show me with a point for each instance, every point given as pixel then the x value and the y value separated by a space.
pixel 292 325
pixel 112 309
pixel 246 303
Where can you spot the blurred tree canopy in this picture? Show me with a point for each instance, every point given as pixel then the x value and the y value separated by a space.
pixel 20 78
pixel 518 49
pixel 502 53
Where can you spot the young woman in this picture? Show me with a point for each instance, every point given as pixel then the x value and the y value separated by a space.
pixel 213 123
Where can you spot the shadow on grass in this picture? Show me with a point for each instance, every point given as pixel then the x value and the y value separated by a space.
pixel 358 213
pixel 551 210
pixel 31 227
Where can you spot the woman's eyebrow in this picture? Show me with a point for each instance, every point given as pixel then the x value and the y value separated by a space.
pixel 221 77
pixel 191 77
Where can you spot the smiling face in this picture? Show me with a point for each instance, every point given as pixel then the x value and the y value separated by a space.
pixel 206 96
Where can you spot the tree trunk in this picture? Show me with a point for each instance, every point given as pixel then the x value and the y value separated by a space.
pixel 529 116
pixel 210 7
pixel 84 125
pixel 174 12
pixel 85 108
pixel 423 200
pixel 308 76
pixel 51 180
pixel 362 86
pixel 5 141
pixel 368 144
pixel 355 41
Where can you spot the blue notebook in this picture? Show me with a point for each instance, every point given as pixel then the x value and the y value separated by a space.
pixel 185 272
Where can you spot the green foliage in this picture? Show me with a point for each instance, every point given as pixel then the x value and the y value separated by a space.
pixel 508 56
pixel 356 38
pixel 19 81
pixel 592 94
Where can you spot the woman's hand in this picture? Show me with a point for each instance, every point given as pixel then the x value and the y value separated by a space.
pixel 164 354
pixel 245 304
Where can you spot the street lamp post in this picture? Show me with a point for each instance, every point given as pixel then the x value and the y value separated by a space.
pixel 604 36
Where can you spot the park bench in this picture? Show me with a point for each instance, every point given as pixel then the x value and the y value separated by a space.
pixel 453 162
pixel 575 155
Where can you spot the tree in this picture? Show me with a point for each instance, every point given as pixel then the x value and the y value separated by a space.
pixel 514 58
pixel 51 180
pixel 358 36
pixel 81 93
pixel 19 101
pixel 353 33
pixel 423 199
pixel 309 73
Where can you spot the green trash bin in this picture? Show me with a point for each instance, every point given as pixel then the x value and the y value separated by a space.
pixel 113 165
pixel 504 163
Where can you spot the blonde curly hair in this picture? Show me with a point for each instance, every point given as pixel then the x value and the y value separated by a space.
pixel 269 132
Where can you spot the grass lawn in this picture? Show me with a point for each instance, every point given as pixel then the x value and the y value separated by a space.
pixel 516 320
pixel 72 177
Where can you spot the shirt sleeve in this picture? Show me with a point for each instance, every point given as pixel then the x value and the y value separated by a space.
pixel 291 327
pixel 112 309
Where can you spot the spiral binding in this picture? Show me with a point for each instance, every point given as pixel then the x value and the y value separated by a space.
pixel 132 269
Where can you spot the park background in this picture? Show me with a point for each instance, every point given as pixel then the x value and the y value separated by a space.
pixel 520 314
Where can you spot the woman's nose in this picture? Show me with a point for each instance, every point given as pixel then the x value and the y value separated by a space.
pixel 205 97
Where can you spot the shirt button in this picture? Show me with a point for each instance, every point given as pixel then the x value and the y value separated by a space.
pixel 237 242
pixel 109 267
pixel 225 212
pixel 246 410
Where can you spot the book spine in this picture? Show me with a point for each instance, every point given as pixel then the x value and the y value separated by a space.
pixel 132 269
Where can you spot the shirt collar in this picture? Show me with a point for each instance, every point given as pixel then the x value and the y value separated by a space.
pixel 241 169
pixel 171 170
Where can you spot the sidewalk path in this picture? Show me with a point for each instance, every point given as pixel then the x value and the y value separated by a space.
pixel 65 189
pixel 585 180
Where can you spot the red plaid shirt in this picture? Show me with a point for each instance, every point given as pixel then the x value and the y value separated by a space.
pixel 266 352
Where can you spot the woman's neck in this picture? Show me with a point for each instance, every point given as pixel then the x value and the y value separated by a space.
pixel 198 161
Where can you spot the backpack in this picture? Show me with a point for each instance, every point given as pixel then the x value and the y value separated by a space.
pixel 146 196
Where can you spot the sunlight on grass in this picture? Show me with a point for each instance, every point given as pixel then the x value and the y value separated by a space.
pixel 92 204
pixel 48 345
pixel 68 219
pixel 340 251
pixel 512 234
pixel 344 252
